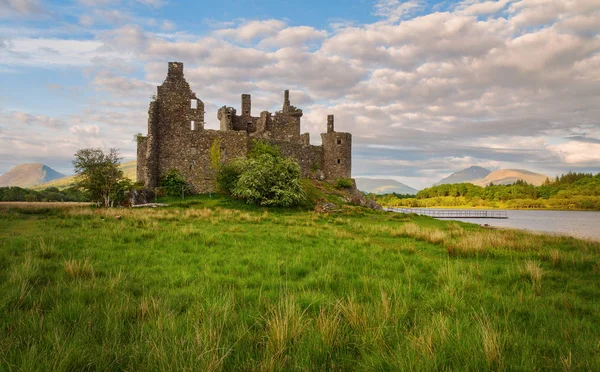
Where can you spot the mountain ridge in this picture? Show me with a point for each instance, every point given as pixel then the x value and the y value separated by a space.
pixel 29 175
pixel 467 175
pixel 482 177
pixel 383 186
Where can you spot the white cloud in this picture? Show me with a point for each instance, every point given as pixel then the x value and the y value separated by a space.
pixel 21 8
pixel 575 152
pixel 394 10
pixel 85 130
pixel 167 26
pixel 294 36
pixel 477 8
pixel 252 30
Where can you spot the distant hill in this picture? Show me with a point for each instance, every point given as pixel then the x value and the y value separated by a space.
pixel 29 175
pixel 509 176
pixel 470 175
pixel 383 186
pixel 129 170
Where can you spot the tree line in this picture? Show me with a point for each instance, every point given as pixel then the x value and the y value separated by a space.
pixel 569 191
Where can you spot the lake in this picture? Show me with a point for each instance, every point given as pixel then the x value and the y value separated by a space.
pixel 579 224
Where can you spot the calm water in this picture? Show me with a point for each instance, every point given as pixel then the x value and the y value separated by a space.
pixel 574 223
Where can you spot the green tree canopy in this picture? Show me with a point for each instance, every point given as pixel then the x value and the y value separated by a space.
pixel 100 175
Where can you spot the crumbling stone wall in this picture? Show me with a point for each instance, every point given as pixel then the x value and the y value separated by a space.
pixel 177 139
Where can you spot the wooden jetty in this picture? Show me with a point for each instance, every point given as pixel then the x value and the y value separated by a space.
pixel 451 213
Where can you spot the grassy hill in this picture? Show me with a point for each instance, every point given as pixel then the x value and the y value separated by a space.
pixel 471 174
pixel 213 284
pixel 28 175
pixel 383 186
pixel 129 170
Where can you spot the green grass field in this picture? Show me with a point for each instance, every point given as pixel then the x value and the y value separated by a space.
pixel 212 284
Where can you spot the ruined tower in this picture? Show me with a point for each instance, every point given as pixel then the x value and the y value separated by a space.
pixel 177 139
pixel 337 152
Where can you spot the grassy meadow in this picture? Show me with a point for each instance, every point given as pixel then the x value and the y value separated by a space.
pixel 212 284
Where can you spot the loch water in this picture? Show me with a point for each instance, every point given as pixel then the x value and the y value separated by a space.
pixel 579 224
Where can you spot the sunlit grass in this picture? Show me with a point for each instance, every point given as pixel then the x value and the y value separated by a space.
pixel 211 284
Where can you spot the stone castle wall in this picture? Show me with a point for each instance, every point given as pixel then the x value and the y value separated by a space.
pixel 177 139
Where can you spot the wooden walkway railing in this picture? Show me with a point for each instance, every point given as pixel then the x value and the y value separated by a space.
pixel 451 213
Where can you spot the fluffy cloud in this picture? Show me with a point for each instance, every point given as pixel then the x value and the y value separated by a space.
pixel 576 152
pixel 474 7
pixel 252 30
pixel 21 8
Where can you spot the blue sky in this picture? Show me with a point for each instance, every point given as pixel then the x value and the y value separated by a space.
pixel 426 88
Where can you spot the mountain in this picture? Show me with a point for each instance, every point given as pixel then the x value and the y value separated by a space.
pixel 471 174
pixel 508 176
pixel 28 175
pixel 383 186
pixel 129 170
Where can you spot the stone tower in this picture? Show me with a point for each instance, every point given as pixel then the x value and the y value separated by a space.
pixel 337 152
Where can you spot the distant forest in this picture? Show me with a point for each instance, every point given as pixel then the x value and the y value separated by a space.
pixel 569 191
pixel 51 194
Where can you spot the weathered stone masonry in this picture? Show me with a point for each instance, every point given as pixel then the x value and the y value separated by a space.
pixel 177 139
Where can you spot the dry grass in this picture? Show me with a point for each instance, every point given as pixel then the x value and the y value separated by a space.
pixel 411 229
pixel 555 257
pixel 78 269
pixel 331 328
pixel 427 339
pixel 469 245
pixel 42 205
pixel 533 272
pixel 493 344
pixel 284 325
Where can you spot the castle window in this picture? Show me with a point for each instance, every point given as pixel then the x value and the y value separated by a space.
pixel 339 141
pixel 193 125
pixel 339 161
pixel 193 104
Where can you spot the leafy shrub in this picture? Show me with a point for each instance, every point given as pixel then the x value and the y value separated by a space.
pixel 343 183
pixel 268 180
pixel 260 147
pixel 264 178
pixel 228 175
pixel 173 183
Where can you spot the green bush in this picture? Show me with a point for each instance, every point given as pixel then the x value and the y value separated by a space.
pixel 173 183
pixel 343 183
pixel 228 175
pixel 264 178
pixel 261 147
pixel 269 180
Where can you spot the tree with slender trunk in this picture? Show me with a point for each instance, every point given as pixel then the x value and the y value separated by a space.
pixel 99 173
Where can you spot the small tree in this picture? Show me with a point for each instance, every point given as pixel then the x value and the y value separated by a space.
pixel 100 175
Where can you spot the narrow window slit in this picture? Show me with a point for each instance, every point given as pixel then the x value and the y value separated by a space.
pixel 193 125
pixel 193 104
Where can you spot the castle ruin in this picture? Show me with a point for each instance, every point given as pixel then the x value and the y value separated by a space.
pixel 178 140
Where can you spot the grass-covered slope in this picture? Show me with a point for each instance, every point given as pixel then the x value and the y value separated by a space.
pixel 212 284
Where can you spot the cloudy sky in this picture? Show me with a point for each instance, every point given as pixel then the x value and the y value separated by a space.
pixel 426 88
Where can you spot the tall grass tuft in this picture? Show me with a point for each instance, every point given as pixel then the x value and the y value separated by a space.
pixel 533 272
pixel 493 342
pixel 284 326
pixel 555 257
pixel 78 269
